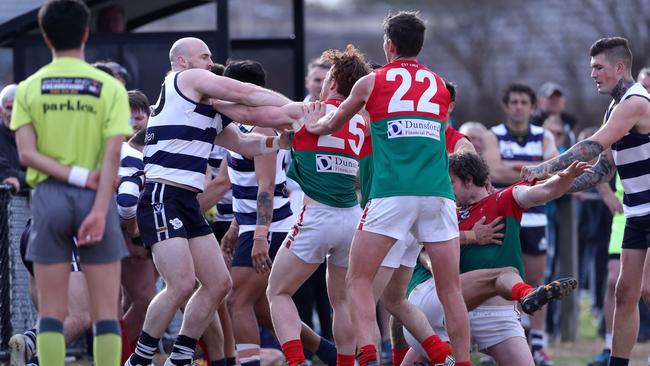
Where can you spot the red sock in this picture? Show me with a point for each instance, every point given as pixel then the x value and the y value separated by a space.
pixel 463 363
pixel 204 348
pixel 344 360
pixel 293 352
pixel 367 353
pixel 398 355
pixel 437 349
pixel 126 346
pixel 520 290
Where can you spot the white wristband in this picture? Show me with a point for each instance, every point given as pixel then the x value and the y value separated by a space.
pixel 269 144
pixel 78 176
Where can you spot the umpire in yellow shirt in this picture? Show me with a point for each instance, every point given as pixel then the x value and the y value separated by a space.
pixel 70 120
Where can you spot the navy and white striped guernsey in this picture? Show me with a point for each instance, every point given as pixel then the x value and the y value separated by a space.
pixel 531 149
pixel 244 191
pixel 632 158
pixel 224 206
pixel 179 137
pixel 131 175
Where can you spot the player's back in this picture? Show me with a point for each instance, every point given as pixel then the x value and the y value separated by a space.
pixel 408 111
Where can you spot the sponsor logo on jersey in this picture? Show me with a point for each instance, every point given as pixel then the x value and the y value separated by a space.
pixel 84 86
pixel 336 164
pixel 176 223
pixel 414 128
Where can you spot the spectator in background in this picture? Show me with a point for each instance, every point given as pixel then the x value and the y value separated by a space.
pixel 644 78
pixel 551 100
pixel 11 171
pixel 475 132
pixel 316 71
pixel 111 19
pixel 554 125
pixel 140 110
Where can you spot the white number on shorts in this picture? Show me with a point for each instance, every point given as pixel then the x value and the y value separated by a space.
pixel 334 142
pixel 397 104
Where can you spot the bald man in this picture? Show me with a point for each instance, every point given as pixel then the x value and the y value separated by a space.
pixel 179 138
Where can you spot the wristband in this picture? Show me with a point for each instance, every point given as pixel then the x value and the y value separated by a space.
pixel 470 236
pixel 260 238
pixel 269 144
pixel 261 231
pixel 78 176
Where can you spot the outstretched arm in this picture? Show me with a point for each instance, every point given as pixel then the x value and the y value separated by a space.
pixel 530 196
pixel 601 172
pixel 320 124
pixel 288 116
pixel 623 119
pixel 251 144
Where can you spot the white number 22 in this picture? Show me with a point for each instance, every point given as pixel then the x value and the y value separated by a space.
pixel 397 104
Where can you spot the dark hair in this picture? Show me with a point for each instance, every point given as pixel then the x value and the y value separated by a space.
pixel 347 67
pixel 406 30
pixel 217 69
pixel 451 87
pixel 246 71
pixel 469 166
pixel 518 88
pixel 64 22
pixel 138 101
pixel 615 48
pixel 139 137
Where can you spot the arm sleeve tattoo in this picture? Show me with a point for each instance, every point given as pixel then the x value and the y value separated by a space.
pixel 264 209
pixel 584 150
pixel 602 171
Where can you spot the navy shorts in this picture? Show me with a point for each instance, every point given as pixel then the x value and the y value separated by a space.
pixel 533 240
pixel 637 233
pixel 166 212
pixel 244 248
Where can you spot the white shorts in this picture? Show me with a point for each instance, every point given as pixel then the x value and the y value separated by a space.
pixel 493 324
pixel 424 296
pixel 403 253
pixel 429 219
pixel 489 325
pixel 323 232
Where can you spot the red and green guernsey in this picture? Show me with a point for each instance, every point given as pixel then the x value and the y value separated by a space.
pixel 326 166
pixel 508 254
pixel 408 111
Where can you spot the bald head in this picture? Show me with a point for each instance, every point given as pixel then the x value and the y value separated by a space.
pixel 190 53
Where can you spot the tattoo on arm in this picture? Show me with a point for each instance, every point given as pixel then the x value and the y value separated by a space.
pixel 584 150
pixel 602 171
pixel 264 209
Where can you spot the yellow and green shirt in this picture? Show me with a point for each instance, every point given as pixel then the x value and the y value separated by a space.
pixel 73 108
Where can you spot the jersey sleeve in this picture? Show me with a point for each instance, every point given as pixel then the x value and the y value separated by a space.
pixel 452 136
pixel 118 113
pixel 507 204
pixel 21 114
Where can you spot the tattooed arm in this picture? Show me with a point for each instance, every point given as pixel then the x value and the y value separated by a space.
pixel 601 172
pixel 265 175
pixel 584 150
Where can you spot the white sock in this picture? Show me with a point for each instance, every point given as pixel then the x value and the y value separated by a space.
pixel 608 341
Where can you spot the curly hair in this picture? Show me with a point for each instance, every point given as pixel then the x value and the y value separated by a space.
pixel 469 166
pixel 347 67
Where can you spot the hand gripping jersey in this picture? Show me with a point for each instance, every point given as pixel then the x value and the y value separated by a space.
pixel 326 166
pixel 632 157
pixel 479 256
pixel 408 109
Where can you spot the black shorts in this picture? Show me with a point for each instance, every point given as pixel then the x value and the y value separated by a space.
pixel 244 248
pixel 219 228
pixel 24 240
pixel 166 212
pixel 637 233
pixel 533 240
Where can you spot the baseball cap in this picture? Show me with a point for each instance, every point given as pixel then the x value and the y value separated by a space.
pixel 549 88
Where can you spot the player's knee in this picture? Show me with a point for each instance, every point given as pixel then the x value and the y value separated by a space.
pixel 611 282
pixel 80 320
pixel 645 294
pixel 222 289
pixel 510 270
pixel 181 289
pixel 626 295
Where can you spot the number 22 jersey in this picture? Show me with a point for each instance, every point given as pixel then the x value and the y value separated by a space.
pixel 408 111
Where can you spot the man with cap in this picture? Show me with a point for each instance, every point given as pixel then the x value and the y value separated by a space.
pixel 551 100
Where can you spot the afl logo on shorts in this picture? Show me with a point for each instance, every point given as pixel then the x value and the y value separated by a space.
pixel 324 163
pixel 395 128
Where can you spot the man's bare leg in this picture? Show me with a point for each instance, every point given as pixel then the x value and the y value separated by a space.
pixel 445 256
pixel 513 351
pixel 626 311
pixel 535 265
pixel 342 327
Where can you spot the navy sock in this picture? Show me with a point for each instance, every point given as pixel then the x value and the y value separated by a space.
pixel 183 350
pixel 144 349
pixel 326 352
pixel 617 361
pixel 221 362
